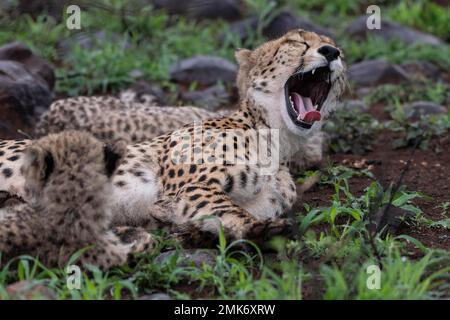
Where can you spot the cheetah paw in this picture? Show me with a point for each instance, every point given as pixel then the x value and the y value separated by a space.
pixel 138 239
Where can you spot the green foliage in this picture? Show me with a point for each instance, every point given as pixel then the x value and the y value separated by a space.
pixel 422 130
pixel 352 131
pixel 328 13
pixel 392 94
pixel 423 15
pixel 401 278
pixel 395 51
pixel 31 32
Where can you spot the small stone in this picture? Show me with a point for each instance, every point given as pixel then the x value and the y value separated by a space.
pixel 144 92
pixel 27 290
pixel 375 72
pixel 156 296
pixel 201 9
pixel 17 51
pixel 421 69
pixel 23 96
pixel 353 105
pixel 286 21
pixel 90 41
pixel 53 8
pixel 361 92
pixel 390 31
pixel 204 70
pixel 211 98
pixel 186 258
pixel 241 29
pixel 418 108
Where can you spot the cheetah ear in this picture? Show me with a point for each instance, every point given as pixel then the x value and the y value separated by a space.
pixel 113 156
pixel 40 163
pixel 243 57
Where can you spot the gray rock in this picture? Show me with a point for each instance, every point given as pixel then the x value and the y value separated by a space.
pixel 422 69
pixel 202 9
pixel 416 109
pixel 28 290
pixel 205 70
pixel 156 296
pixel 22 92
pixel 390 31
pixel 191 257
pixel 89 41
pixel 353 105
pixel 144 92
pixel 363 91
pixel 286 21
pixel 17 51
pixel 241 29
pixel 375 72
pixel 211 98
pixel 53 8
pixel 276 27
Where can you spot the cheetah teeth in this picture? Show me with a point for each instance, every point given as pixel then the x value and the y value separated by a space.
pixel 313 70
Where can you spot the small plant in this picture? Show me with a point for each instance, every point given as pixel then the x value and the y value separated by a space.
pixel 400 278
pixel 395 51
pixel 420 131
pixel 392 94
pixel 423 15
pixel 352 132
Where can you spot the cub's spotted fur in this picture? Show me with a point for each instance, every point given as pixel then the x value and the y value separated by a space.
pixel 67 180
pixel 292 85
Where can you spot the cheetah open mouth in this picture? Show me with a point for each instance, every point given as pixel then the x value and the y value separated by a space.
pixel 305 94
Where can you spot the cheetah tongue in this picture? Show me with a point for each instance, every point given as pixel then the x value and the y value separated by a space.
pixel 305 109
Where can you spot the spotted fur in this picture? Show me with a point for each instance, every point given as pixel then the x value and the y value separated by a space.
pixel 162 180
pixel 67 178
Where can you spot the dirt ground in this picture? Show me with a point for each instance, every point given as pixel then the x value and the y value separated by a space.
pixel 428 173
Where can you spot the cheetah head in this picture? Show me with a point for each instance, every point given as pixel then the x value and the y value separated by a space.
pixel 69 168
pixel 297 78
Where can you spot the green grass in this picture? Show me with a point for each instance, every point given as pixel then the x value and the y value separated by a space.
pixel 423 15
pixel 352 132
pixel 395 51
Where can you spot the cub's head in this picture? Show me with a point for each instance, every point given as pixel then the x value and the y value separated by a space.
pixel 297 78
pixel 69 168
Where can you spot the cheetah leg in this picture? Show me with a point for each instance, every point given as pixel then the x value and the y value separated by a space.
pixel 15 234
pixel 112 250
pixel 276 197
pixel 204 208
pixel 139 239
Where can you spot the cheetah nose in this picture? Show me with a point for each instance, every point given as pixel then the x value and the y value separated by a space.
pixel 329 52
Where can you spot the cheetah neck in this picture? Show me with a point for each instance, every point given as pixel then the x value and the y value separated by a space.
pixel 263 113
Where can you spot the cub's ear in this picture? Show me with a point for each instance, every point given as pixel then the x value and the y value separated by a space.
pixel 243 57
pixel 39 164
pixel 113 156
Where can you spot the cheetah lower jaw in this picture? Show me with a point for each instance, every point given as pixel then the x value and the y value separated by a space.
pixel 303 106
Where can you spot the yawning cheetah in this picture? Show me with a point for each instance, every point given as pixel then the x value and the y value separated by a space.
pixel 206 173
pixel 134 119
pixel 68 182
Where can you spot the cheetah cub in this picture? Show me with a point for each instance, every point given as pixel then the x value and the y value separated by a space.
pixel 68 179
